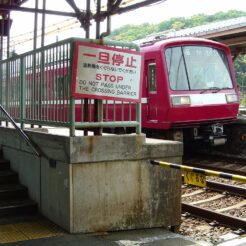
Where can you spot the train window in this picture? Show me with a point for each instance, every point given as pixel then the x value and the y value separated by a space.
pixel 207 67
pixel 152 77
pixel 176 69
pixel 197 68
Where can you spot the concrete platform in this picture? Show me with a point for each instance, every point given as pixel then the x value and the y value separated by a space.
pixel 38 230
pixel 147 237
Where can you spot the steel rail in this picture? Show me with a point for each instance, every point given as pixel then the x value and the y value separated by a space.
pixel 232 189
pixel 227 220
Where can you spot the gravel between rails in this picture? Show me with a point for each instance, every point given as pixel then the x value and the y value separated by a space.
pixel 205 231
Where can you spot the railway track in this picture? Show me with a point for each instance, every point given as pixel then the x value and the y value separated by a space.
pixel 222 203
pixel 218 163
pixel 217 205
pixel 211 214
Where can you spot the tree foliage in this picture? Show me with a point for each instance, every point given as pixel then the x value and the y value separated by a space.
pixel 240 70
pixel 135 32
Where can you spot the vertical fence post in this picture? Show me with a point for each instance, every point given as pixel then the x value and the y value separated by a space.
pixel 138 130
pixel 7 89
pixel 72 116
pixel 72 98
pixel 22 91
pixel 41 82
pixel 138 113
pixel 98 106
pixel 33 87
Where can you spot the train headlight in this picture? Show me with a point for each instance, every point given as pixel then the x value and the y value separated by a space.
pixel 231 98
pixel 180 100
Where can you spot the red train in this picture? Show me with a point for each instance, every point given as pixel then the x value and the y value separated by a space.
pixel 189 85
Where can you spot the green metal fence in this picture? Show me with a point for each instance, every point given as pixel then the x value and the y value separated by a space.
pixel 35 88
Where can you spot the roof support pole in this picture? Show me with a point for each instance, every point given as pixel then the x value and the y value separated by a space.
pixel 35 26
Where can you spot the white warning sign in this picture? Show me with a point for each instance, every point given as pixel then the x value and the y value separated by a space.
pixel 107 73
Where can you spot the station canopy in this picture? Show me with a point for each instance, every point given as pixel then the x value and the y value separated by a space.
pixel 7 5
pixel 83 9
pixel 107 7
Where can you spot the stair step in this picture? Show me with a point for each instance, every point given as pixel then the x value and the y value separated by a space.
pixel 8 176
pixel 14 199
pixel 17 207
pixel 4 164
pixel 11 191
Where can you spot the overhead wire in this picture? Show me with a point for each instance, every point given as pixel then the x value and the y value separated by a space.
pixel 58 27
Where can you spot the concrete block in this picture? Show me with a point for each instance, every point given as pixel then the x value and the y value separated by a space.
pixel 113 196
pixel 99 183
pixel 56 191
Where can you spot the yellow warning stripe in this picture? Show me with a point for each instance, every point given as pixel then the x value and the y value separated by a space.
pixel 206 172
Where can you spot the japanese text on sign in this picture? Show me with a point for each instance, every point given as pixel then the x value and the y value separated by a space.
pixel 195 179
pixel 107 73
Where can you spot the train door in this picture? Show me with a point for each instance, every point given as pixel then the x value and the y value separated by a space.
pixel 151 90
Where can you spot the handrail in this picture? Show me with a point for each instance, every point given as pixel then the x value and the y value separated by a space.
pixel 21 132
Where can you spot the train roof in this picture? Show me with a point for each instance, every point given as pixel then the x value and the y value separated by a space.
pixel 161 43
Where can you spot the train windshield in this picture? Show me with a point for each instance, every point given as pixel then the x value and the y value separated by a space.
pixel 197 68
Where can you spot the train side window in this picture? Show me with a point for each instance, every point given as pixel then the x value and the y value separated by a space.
pixel 152 77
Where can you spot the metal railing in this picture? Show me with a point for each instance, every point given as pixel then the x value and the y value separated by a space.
pixel 21 132
pixel 35 88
